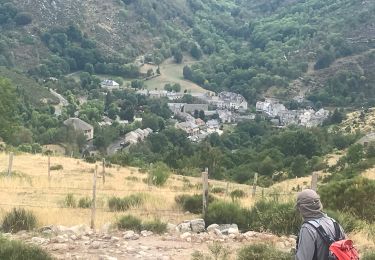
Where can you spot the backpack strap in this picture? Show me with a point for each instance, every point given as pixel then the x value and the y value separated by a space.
pixel 322 233
pixel 338 235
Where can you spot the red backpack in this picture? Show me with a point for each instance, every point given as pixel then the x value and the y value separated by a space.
pixel 339 249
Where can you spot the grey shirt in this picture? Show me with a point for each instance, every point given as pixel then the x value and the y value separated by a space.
pixel 308 236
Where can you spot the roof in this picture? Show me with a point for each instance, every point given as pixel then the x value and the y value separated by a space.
pixel 78 124
pixel 109 82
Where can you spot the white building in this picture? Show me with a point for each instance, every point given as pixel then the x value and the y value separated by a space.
pixel 109 84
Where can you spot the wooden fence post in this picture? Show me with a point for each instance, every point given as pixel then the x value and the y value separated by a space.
pixel 205 191
pixel 255 184
pixel 49 167
pixel 103 172
pixel 10 165
pixel 314 181
pixel 93 203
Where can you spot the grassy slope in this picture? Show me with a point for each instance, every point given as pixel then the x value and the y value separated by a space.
pixel 32 89
pixel 76 178
pixel 172 73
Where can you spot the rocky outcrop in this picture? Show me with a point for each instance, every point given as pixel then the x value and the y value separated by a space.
pixel 80 242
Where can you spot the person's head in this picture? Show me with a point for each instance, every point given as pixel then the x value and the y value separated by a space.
pixel 309 205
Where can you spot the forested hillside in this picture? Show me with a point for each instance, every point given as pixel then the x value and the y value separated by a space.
pixel 323 50
pixel 251 47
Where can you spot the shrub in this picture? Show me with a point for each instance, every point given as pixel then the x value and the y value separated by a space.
pixel 84 203
pixel 70 201
pixel 221 212
pixel 159 174
pixel 346 220
pixel 236 194
pixel 17 220
pixel 23 18
pixel 218 190
pixel 369 255
pixel 278 218
pixel 56 167
pixel 192 203
pixel 352 195
pixel 262 252
pixel 118 204
pixel 131 178
pixel 16 250
pixel 129 222
pixel 216 251
pixel 155 226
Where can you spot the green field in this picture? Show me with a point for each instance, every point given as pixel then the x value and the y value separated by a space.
pixel 171 73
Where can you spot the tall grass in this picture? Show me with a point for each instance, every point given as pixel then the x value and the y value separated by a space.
pixel 17 220
pixel 122 204
pixel 16 250
pixel 262 252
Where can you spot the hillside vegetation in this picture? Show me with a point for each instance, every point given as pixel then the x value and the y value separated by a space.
pixel 247 46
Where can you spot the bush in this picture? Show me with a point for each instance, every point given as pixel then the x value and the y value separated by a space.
pixel 192 203
pixel 220 190
pixel 159 174
pixel 221 212
pixel 23 18
pixel 348 222
pixel 236 194
pixel 262 252
pixel 17 220
pixel 129 222
pixel 155 226
pixel 131 178
pixel 16 250
pixel 351 195
pixel 56 167
pixel 118 204
pixel 370 255
pixel 84 203
pixel 70 201
pixel 278 218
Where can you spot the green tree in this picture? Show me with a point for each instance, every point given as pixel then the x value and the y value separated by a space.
pixel 138 84
pixel 187 72
pixel 355 153
pixel 196 52
pixel 8 109
pixel 299 166
pixel 89 68
pixel 178 57
pixel 159 174
pixel 23 18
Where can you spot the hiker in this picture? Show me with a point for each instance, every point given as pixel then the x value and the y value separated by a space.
pixel 310 244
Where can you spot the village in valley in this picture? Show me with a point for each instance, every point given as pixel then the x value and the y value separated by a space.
pixel 208 114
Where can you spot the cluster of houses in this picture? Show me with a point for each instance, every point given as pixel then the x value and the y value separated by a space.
pixel 281 116
pixel 226 104
pixel 136 136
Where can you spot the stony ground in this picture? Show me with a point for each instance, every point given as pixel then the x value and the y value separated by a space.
pixel 79 242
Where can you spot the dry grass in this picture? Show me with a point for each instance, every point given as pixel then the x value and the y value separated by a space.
pixel 369 173
pixel 45 198
pixel 355 123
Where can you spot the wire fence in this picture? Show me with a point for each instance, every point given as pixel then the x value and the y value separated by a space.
pixel 53 187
